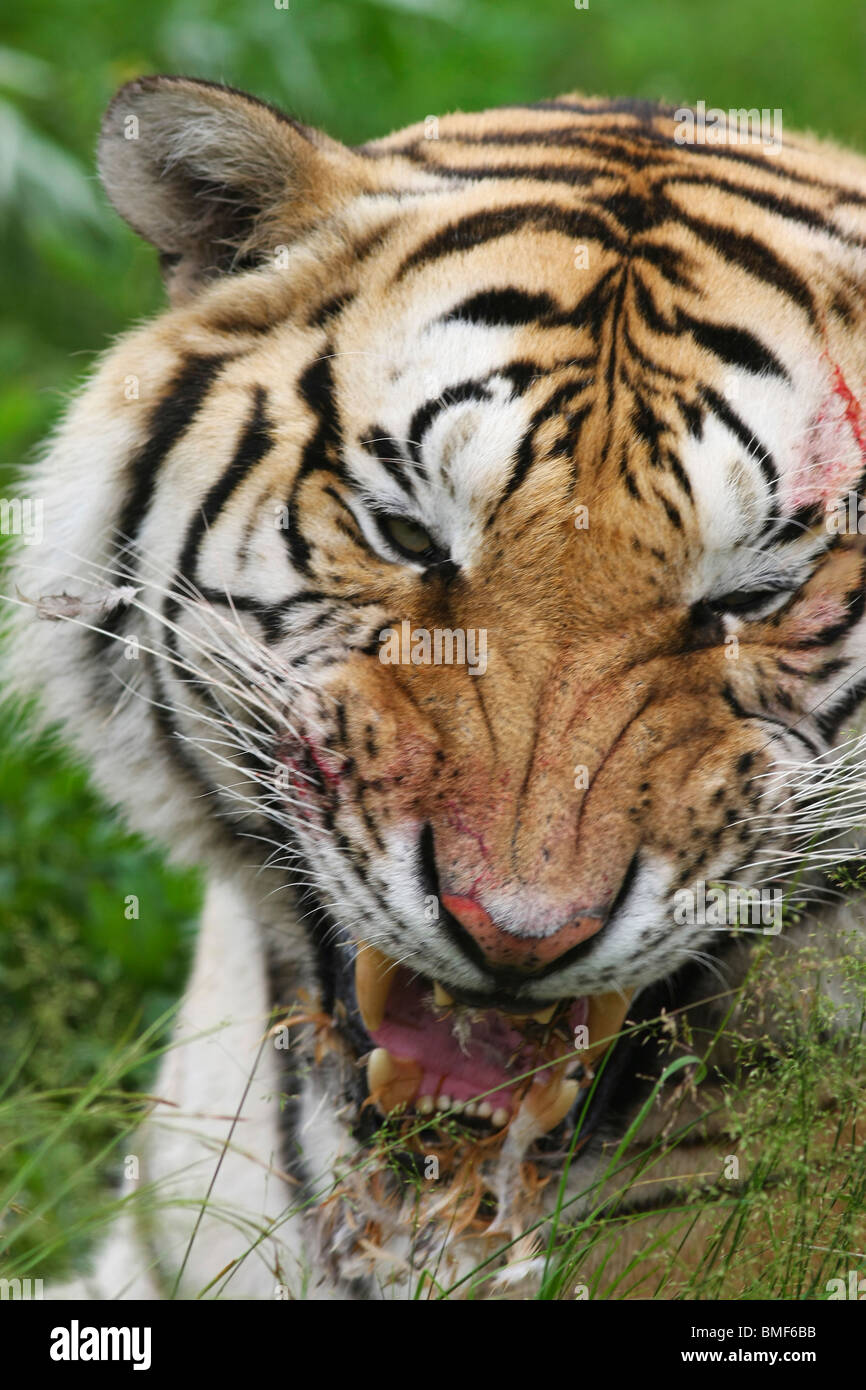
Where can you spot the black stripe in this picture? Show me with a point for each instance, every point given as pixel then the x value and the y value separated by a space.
pixel 649 310
pixel 733 345
pixel 573 135
pixel 588 314
pixel 629 146
pixel 236 824
pixel 784 207
pixel 804 519
pixel 833 667
pixel 427 413
pixel 272 615
pixel 692 416
pixel 491 224
pixel 255 441
pixel 569 442
pixel 170 419
pixel 502 308
pixel 753 256
pixel 642 109
pixel 582 176
pixel 635 212
pixel 737 710
pixel 648 427
pixel 321 452
pixel 522 373
pixel 667 260
pixel 754 448
pixel 829 723
pixel 617 306
pixel 349 528
pixel 856 600
pixel 383 448
pixel 233 321
pixel 321 315
pixel 526 449
pixel 639 356
pixel 673 515
pixel 629 480
pixel 680 474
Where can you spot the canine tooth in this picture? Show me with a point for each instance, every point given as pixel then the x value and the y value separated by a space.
pixel 545 1015
pixel 604 1020
pixel 380 1068
pixel 444 1102
pixel 426 1105
pixel 485 1110
pixel 499 1118
pixel 374 976
pixel 550 1104
pixel 441 998
pixel 391 1080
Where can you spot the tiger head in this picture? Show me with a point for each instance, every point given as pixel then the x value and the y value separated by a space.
pixel 464 545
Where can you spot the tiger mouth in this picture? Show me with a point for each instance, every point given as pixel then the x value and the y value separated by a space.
pixel 433 1054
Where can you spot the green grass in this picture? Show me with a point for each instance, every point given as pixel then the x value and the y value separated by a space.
pixel 784 1221
pixel 77 977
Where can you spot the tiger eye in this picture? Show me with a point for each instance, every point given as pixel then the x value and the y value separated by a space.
pixel 407 535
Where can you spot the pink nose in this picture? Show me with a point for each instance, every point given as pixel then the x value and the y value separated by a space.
pixel 527 952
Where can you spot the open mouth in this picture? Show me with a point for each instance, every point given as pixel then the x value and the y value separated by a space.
pixel 435 1054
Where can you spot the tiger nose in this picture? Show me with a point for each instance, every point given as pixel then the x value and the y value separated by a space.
pixel 502 948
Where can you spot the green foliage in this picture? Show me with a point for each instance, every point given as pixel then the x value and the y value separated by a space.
pixel 72 277
pixel 76 977
pixel 75 969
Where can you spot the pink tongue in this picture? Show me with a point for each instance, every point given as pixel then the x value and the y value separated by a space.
pixel 494 1052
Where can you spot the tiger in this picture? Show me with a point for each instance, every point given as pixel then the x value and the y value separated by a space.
pixel 458 572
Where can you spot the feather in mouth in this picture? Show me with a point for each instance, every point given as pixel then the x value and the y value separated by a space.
pixel 432 1053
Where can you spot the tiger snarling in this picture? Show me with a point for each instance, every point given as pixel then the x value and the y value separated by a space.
pixel 455 571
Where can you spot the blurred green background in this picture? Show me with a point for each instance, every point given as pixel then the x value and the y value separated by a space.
pixel 74 976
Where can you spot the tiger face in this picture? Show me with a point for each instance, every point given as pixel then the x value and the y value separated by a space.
pixel 471 524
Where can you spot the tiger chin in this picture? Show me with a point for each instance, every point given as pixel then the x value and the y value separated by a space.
pixel 547 383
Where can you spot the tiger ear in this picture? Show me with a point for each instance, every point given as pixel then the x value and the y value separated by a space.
pixel 214 178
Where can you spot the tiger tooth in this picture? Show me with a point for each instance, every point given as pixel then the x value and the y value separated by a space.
pixel 499 1118
pixel 605 1018
pixel 374 976
pixel 392 1081
pixel 550 1104
pixel 540 1015
pixel 380 1068
pixel 544 1015
pixel 426 1105
pixel 560 1104
pixel 441 998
